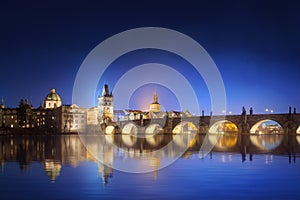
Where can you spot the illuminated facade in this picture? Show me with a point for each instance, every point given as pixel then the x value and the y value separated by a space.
pixel 106 106
pixel 71 118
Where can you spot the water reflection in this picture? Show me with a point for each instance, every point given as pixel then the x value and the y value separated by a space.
pixel 55 152
pixel 266 141
pixel 224 141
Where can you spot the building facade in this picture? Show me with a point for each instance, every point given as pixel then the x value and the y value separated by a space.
pixel 54 117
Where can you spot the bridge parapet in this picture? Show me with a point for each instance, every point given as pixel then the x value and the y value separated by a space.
pixel 289 122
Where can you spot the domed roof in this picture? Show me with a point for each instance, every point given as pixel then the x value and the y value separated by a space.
pixel 52 96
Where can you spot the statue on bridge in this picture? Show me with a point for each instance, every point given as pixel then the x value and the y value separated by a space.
pixel 244 111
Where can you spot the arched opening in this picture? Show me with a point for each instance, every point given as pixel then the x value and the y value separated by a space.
pixel 298 130
pixel 153 129
pixel 266 126
pixel 266 141
pixel 223 127
pixel 110 130
pixel 185 128
pixel 130 129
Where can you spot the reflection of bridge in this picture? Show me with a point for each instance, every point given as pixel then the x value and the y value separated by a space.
pixel 202 124
pixel 55 152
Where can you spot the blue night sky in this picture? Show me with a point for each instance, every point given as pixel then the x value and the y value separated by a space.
pixel 255 45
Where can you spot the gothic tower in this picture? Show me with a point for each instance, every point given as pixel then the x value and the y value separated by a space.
pixel 106 106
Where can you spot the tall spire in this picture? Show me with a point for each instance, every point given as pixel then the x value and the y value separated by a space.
pixel 105 91
pixel 155 97
pixel 2 103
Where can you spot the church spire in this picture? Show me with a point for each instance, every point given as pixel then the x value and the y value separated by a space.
pixel 155 98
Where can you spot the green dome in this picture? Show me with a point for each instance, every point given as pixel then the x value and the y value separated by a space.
pixel 53 96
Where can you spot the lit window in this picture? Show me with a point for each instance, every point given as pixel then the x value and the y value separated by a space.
pixel 11 126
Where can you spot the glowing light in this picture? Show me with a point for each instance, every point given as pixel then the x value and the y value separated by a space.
pixel 298 130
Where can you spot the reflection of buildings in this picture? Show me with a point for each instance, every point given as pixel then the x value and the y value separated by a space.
pixel 55 152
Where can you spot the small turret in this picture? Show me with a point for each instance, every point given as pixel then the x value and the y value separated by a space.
pixel 105 91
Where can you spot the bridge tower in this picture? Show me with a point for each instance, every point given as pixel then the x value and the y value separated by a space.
pixel 106 106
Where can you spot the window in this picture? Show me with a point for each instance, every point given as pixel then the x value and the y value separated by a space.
pixel 49 104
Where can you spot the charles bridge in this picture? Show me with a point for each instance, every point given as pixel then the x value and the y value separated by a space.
pixel 245 123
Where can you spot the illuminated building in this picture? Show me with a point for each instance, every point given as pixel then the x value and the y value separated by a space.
pixel 9 118
pixel 71 118
pixel 106 106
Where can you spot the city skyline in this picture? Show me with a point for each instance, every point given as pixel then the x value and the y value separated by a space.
pixel 254 44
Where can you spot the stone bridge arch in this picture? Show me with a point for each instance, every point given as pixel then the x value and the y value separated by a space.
pixel 298 130
pixel 153 129
pixel 185 127
pixel 253 129
pixel 216 125
pixel 109 130
pixel 130 128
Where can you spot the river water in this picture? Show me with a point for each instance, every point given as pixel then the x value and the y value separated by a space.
pixel 238 167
